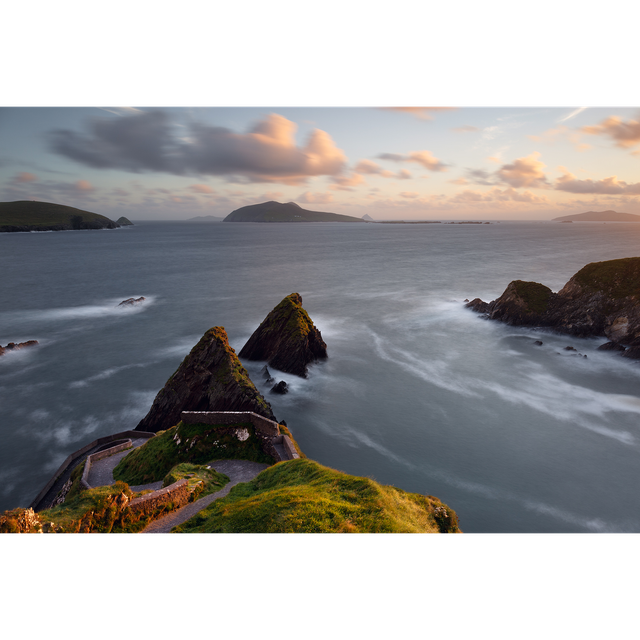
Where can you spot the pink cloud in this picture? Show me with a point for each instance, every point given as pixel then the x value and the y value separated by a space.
pixel 625 134
pixel 611 185
pixel 25 177
pixel 422 113
pixel 315 198
pixel 202 188
pixel 424 158
pixel 524 172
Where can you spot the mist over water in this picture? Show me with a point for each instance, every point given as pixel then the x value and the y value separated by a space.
pixel 418 391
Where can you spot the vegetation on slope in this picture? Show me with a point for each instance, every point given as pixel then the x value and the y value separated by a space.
pixel 617 278
pixel 533 294
pixel 195 443
pixel 29 215
pixel 290 212
pixel 301 496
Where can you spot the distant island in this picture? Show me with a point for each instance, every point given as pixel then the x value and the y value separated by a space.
pixel 290 212
pixel 204 219
pixel 124 222
pixel 599 216
pixel 30 215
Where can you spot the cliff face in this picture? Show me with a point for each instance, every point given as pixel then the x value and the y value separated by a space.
pixel 210 378
pixel 287 339
pixel 602 299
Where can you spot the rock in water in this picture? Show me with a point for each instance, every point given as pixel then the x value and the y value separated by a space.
pixel 12 346
pixel 131 301
pixel 280 388
pixel 287 339
pixel 210 378
pixel 602 299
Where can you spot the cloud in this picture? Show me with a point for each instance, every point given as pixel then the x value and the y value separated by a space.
pixel 613 186
pixel 573 114
pixel 84 185
pixel 424 158
pixel 467 128
pixel 409 194
pixel 625 134
pixel 370 167
pixel 315 198
pixel 480 176
pixel 422 113
pixel 25 177
pixel 202 188
pixel 147 141
pixel 524 172
pixel 562 132
pixel 345 183
pixel 496 195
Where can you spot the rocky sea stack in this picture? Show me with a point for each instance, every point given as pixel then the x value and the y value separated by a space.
pixel 287 339
pixel 602 299
pixel 210 378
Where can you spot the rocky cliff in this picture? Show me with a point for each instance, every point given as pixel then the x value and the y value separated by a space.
pixel 210 378
pixel 287 339
pixel 602 299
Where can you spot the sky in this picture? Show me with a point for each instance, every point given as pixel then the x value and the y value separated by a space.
pixel 392 163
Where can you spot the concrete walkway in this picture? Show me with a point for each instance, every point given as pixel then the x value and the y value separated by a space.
pixel 101 474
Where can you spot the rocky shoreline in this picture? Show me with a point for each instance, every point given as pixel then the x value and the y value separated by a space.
pixel 600 300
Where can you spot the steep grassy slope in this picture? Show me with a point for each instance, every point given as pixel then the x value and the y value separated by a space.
pixel 302 496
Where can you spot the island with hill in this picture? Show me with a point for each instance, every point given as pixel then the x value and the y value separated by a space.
pixel 599 216
pixel 32 215
pixel 124 222
pixel 208 419
pixel 290 212
pixel 204 219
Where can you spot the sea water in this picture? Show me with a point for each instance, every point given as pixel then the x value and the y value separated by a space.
pixel 418 391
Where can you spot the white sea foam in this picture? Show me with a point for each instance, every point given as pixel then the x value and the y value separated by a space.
pixel 107 373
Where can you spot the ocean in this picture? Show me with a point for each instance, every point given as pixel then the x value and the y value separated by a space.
pixel 418 391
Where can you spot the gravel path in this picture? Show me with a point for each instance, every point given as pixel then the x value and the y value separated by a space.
pixel 101 474
pixel 237 470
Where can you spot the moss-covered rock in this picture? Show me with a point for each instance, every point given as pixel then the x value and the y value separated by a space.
pixel 287 339
pixel 602 299
pixel 210 378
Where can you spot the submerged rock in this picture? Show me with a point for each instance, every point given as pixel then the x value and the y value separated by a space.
pixel 12 346
pixel 210 378
pixel 131 301
pixel 268 378
pixel 602 299
pixel 280 388
pixel 287 339
pixel 611 346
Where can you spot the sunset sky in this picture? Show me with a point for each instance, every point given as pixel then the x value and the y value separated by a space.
pixel 391 163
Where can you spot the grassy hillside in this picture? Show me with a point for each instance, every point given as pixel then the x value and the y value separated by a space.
pixel 195 443
pixel 302 496
pixel 617 278
pixel 29 215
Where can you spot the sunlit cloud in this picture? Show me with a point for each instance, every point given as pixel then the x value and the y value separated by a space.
pixel 573 114
pixel 146 141
pixel 25 176
pixel 524 172
pixel 409 194
pixel 84 185
pixel 611 185
pixel 314 198
pixel 372 168
pixel 422 113
pixel 202 188
pixel 561 133
pixel 467 128
pixel 625 134
pixel 424 158
pixel 347 182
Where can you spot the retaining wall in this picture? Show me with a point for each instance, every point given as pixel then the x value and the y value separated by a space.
pixel 268 431
pixel 176 493
pixel 99 456
pixel 74 458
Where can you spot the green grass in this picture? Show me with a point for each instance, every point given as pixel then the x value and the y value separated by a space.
pixel 303 496
pixel 533 294
pixel 200 478
pixel 617 278
pixel 195 443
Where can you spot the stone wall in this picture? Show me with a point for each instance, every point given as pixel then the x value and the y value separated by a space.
pixel 177 493
pixel 267 431
pixel 105 453
pixel 75 458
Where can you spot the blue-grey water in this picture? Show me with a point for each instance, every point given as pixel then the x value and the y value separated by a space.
pixel 418 391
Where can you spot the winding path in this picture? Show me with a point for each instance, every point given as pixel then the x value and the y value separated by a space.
pixel 101 473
